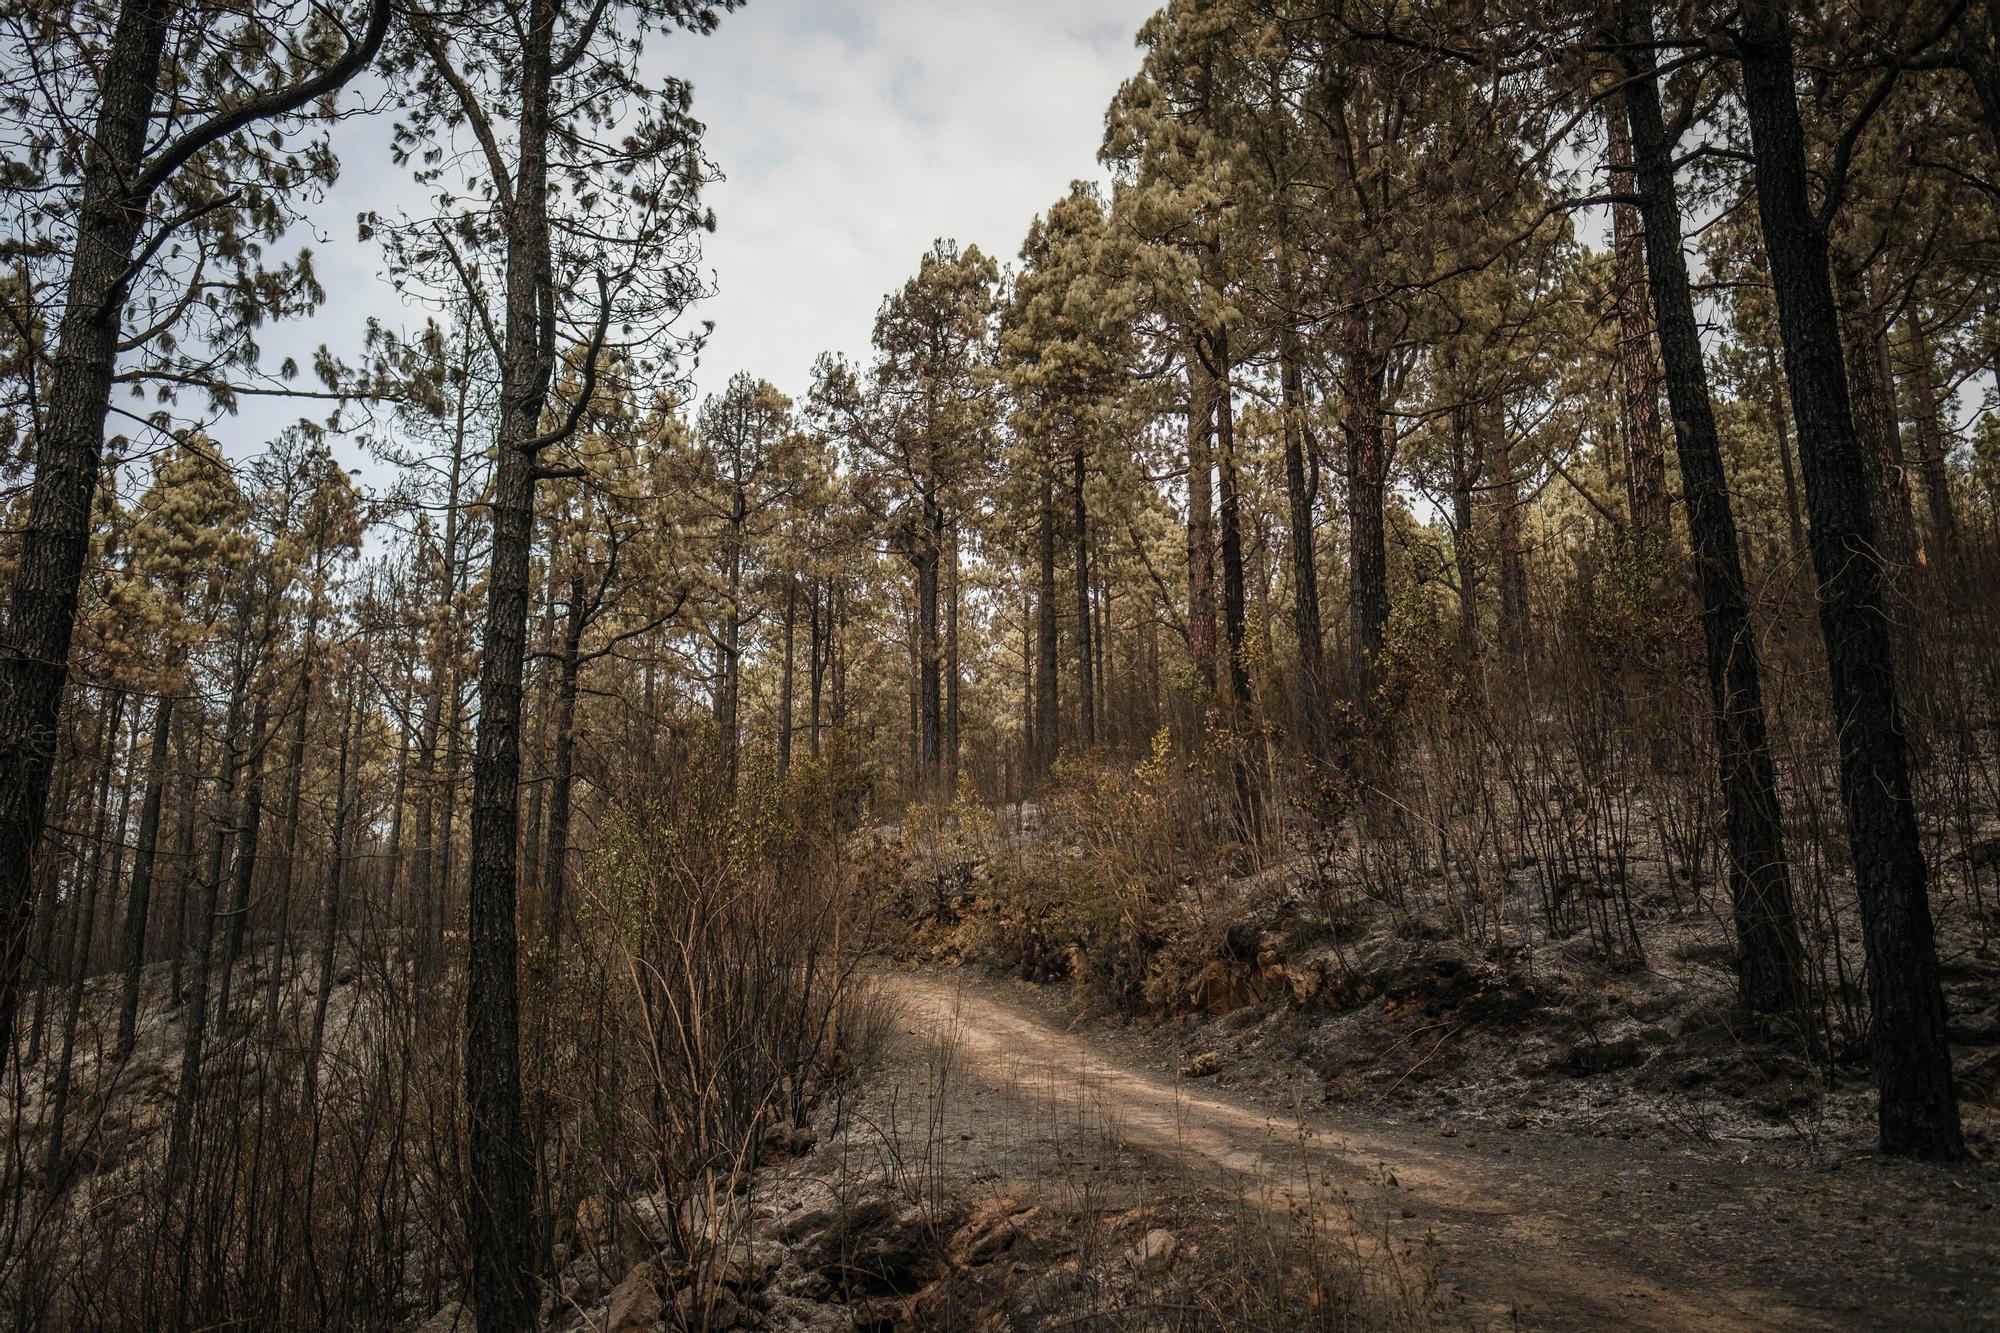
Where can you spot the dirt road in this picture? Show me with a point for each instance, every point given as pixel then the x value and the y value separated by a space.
pixel 1545 1231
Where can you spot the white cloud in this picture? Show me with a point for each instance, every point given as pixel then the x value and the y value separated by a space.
pixel 852 134
pixel 855 132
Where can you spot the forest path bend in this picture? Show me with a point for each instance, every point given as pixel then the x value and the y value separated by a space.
pixel 1544 1231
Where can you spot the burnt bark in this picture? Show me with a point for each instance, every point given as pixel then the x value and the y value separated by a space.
pixel 1781 431
pixel 1933 446
pixel 1918 1110
pixel 1505 485
pixel 562 782
pixel 1229 514
pixel 1768 971
pixel 786 683
pixel 69 442
pixel 500 1184
pixel 1301 483
pixel 1639 378
pixel 1366 371
pixel 118 185
pixel 1047 698
pixel 1201 519
pixel 138 905
pixel 1086 689
pixel 1466 465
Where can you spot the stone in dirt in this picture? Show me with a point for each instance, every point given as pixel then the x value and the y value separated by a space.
pixel 635 1305
pixel 1154 1252
pixel 747 1263
pixel 452 1317
pixel 1203 1065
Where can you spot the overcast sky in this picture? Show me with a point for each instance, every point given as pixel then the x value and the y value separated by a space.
pixel 856 132
pixel 852 134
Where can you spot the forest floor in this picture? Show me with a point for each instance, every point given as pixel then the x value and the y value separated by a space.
pixel 1487 1226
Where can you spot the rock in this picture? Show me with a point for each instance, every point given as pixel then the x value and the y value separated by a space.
pixel 711 1221
pixel 1603 1057
pixel 635 1305
pixel 793 1314
pixel 1974 1029
pixel 781 1137
pixel 746 1263
pixel 452 1317
pixel 711 1307
pixel 1154 1252
pixel 1203 1065
pixel 593 1216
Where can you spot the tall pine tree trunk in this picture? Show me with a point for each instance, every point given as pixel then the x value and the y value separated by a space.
pixel 69 441
pixel 132 957
pixel 1505 485
pixel 562 782
pixel 1919 1109
pixel 226 815
pixel 1781 430
pixel 1767 941
pixel 294 783
pixel 500 1181
pixel 1086 691
pixel 786 685
pixel 1466 465
pixel 1301 478
pixel 1872 411
pixel 930 683
pixel 1366 370
pixel 1201 519
pixel 1229 513
pixel 329 943
pixel 78 961
pixel 1933 446
pixel 1047 699
pixel 951 666
pixel 1639 380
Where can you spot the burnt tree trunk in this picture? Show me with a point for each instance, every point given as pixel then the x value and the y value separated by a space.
pixel 1201 520
pixel 1639 378
pixel 1781 429
pixel 1919 1108
pixel 951 670
pixel 138 905
pixel 500 1184
pixel 1933 446
pixel 1047 698
pixel 786 682
pixel 1301 481
pixel 1767 941
pixel 69 441
pixel 1505 485
pixel 1466 465
pixel 1366 369
pixel 562 782
pixel 1229 513
pixel 1086 691
pixel 1872 412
